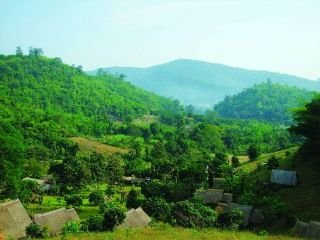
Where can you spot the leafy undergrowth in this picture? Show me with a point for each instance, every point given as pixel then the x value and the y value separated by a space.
pixel 87 145
pixel 164 232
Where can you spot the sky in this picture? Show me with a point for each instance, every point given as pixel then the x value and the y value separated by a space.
pixel 275 35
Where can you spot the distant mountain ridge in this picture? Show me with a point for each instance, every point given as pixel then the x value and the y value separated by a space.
pixel 203 84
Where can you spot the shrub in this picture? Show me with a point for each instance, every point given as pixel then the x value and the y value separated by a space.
pixel 272 208
pixel 96 198
pixel 95 223
pixel 273 163
pixel 155 189
pixel 36 231
pixel 235 161
pixel 72 227
pixel 231 219
pixel 110 190
pixel 157 208
pixel 112 218
pixel 189 214
pixel 133 200
pixel 253 152
pixel 73 200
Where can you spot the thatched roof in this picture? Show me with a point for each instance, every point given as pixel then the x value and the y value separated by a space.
pixel 246 209
pixel 56 219
pixel 135 218
pixel 218 183
pixel 227 197
pixel 13 219
pixel 309 230
pixel 210 195
pixel 38 181
pixel 284 177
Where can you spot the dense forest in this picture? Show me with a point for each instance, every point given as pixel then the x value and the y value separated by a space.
pixel 268 101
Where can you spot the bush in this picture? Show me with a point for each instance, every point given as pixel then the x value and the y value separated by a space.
pixel 189 214
pixel 231 219
pixel 235 161
pixel 110 190
pixel 96 198
pixel 72 227
pixel 272 208
pixel 157 208
pixel 112 218
pixel 95 223
pixel 273 163
pixel 133 200
pixel 155 189
pixel 253 152
pixel 36 231
pixel 73 200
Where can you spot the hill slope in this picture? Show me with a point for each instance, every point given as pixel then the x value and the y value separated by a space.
pixel 202 84
pixel 267 101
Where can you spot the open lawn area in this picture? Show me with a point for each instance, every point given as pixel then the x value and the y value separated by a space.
pixel 165 232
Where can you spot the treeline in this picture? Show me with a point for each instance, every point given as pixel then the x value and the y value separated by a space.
pixel 268 101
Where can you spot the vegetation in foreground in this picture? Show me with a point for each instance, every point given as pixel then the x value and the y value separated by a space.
pixel 164 232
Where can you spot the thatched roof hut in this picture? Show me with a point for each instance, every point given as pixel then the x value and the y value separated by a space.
pixel 56 219
pixel 135 218
pixel 246 209
pixel 210 195
pixel 13 219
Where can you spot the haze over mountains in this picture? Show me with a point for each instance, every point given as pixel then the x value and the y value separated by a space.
pixel 202 84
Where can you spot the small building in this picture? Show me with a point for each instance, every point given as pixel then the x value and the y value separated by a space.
pixel 135 218
pixel 309 230
pixel 13 219
pixel 218 183
pixel 43 185
pixel 55 220
pixel 246 209
pixel 210 195
pixel 284 177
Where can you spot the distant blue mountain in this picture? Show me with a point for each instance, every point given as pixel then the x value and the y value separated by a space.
pixel 203 84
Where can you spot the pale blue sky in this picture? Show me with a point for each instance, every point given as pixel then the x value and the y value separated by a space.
pixel 275 35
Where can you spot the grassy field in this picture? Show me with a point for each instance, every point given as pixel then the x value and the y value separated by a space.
pixel 165 232
pixel 89 146
pixel 249 166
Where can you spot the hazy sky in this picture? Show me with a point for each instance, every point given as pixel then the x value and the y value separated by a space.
pixel 275 35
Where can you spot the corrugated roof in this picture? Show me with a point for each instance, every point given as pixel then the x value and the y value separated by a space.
pixel 284 177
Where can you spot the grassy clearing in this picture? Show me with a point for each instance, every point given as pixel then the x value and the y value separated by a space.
pixel 165 232
pixel 88 146
pixel 249 166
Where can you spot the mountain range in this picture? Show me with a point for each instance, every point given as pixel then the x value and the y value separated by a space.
pixel 202 84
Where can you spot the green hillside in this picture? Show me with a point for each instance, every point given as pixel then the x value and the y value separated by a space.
pixel 202 84
pixel 268 101
pixel 44 102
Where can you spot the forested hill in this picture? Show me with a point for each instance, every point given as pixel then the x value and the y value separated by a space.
pixel 203 84
pixel 44 84
pixel 267 101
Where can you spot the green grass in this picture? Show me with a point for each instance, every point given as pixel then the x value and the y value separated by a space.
pixel 165 232
pixel 249 166
pixel 51 203
pixel 88 146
